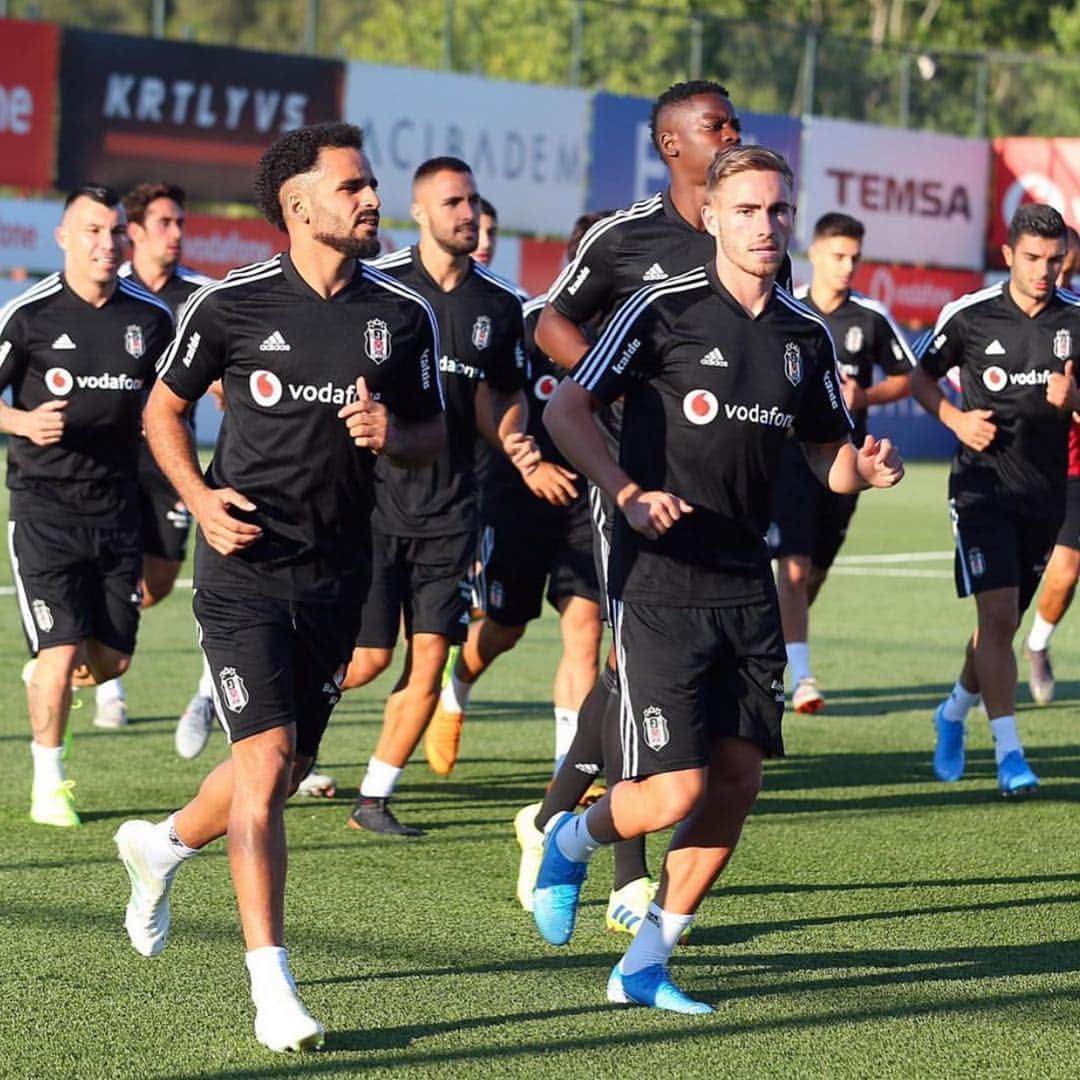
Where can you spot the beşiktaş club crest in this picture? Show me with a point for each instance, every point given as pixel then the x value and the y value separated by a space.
pixel 133 341
pixel 377 341
pixel 793 363
pixel 1062 344
pixel 233 689
pixel 853 339
pixel 43 615
pixel 655 726
pixel 481 331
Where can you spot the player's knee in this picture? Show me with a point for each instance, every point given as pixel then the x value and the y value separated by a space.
pixel 106 665
pixel 679 794
pixel 365 665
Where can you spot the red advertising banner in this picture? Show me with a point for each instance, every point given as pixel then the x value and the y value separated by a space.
pixel 29 54
pixel 216 245
pixel 541 261
pixel 1032 170
pixel 134 109
pixel 914 295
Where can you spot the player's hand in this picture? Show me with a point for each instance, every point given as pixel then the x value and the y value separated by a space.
pixel 522 451
pixel 652 513
pixel 366 419
pixel 552 483
pixel 44 426
pixel 224 533
pixel 217 391
pixel 879 463
pixel 854 394
pixel 975 428
pixel 1061 388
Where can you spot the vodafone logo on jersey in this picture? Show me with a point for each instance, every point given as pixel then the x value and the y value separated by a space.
pixel 58 381
pixel 265 388
pixel 995 379
pixel 700 407
pixel 544 387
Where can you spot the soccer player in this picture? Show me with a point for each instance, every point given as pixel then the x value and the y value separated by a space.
pixel 809 522
pixel 1059 579
pixel 650 241
pixel 327 366
pixel 697 628
pixel 1015 344
pixel 78 352
pixel 535 532
pixel 155 227
pixel 487 233
pixel 425 522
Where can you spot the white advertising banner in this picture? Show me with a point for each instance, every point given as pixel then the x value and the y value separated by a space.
pixel 26 234
pixel 921 196
pixel 527 145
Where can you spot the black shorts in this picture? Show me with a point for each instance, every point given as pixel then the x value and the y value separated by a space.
pixel 999 549
pixel 76 582
pixel 424 579
pixel 689 676
pixel 602 512
pixel 274 662
pixel 807 518
pixel 531 547
pixel 1069 533
pixel 164 519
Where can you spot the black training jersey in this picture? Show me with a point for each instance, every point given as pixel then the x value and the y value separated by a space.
pixel 54 346
pixel 1005 359
pixel 481 331
pixel 865 335
pixel 289 360
pixel 181 285
pixel 709 396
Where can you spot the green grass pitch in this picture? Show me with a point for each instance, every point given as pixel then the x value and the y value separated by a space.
pixel 874 923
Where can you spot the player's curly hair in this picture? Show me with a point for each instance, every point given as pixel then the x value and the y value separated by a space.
pixel 678 93
pixel 294 154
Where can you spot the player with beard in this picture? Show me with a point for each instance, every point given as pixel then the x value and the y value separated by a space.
pixel 426 519
pixel 155 227
pixel 327 366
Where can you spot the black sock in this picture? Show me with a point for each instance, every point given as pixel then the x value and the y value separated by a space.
pixel 587 751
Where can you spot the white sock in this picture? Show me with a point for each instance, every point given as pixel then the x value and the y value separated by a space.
pixel 268 967
pixel 565 730
pixel 48 765
pixel 206 680
pixel 379 780
pixel 167 851
pixel 1041 633
pixel 798 659
pixel 657 936
pixel 574 839
pixel 958 703
pixel 1006 739
pixel 113 690
pixel 455 694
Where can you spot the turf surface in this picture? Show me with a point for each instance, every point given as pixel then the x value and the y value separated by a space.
pixel 874 922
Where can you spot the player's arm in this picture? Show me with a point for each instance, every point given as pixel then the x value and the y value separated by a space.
pixel 560 338
pixel 847 471
pixel 1061 391
pixel 43 425
pixel 944 349
pixel 569 417
pixel 408 443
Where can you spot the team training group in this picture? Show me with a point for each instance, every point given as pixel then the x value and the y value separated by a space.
pixel 410 450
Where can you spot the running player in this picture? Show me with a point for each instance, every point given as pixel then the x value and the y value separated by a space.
pixel 425 522
pixel 534 533
pixel 809 522
pixel 1059 580
pixel 1015 344
pixel 78 352
pixel 325 363
pixel 155 227
pixel 696 622
pixel 650 241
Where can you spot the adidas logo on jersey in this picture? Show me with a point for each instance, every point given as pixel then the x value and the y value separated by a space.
pixel 275 343
pixel 995 348
pixel 64 342
pixel 655 273
pixel 714 358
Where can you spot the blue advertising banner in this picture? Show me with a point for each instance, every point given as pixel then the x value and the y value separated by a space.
pixel 624 164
